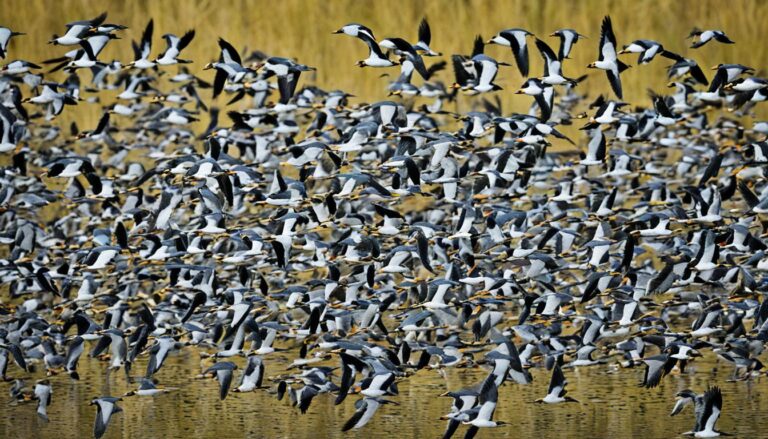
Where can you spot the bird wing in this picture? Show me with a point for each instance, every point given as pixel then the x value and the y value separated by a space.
pixel 557 383
pixel 551 63
pixel 185 40
pixel 171 40
pixel 100 425
pixel 228 53
pixel 225 380
pixel 308 392
pixel 519 50
pixel 287 86
pixel 425 34
pixel 713 403
pixel 146 39
pixel 719 80
pixel 607 41
pixel 546 110
pixel 357 416
pixel 615 80
pixel 89 52
pixel 462 75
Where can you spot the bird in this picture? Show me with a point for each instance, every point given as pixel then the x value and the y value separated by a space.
pixel 607 59
pixel 76 30
pixel 229 68
pixel 707 409
pixel 106 406
pixel 376 57
pixel 481 416
pixel 568 37
pixel 142 49
pixel 556 393
pixel 648 49
pixel 656 368
pixel 147 388
pixel 43 394
pixel 553 74
pixel 705 36
pixel 516 40
pixel 253 375
pixel 425 38
pixel 5 38
pixel 223 372
pixel 364 410
pixel 175 46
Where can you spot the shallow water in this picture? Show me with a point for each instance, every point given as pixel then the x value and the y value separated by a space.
pixel 611 405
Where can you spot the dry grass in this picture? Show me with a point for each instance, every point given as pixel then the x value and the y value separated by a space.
pixel 302 29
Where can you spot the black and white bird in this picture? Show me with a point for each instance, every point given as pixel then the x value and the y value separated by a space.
pixel 705 36
pixel 656 368
pixel 253 375
pixel 143 49
pixel 556 392
pixel 175 46
pixel 223 372
pixel 553 74
pixel 5 38
pixel 648 49
pixel 376 57
pixel 106 406
pixel 707 409
pixel 364 410
pixel 229 67
pixel 607 59
pixel 77 31
pixel 425 39
pixel 477 73
pixel 568 37
pixel 482 415
pixel 516 40
pixel 43 394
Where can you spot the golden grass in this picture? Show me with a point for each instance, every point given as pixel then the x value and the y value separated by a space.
pixel 302 29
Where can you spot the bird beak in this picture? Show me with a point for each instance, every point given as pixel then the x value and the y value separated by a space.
pixel 340 31
pixel 622 51
pixel 519 92
pixel 553 34
pixel 714 67
pixel 591 66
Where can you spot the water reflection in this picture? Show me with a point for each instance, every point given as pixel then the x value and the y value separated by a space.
pixel 611 405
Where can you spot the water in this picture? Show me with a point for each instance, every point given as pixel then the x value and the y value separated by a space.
pixel 611 405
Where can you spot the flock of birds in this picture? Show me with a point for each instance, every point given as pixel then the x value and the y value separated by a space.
pixel 373 241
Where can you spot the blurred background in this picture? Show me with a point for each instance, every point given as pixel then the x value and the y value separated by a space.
pixel 302 30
